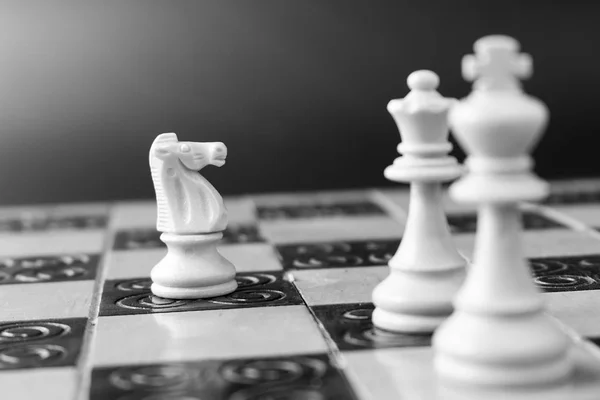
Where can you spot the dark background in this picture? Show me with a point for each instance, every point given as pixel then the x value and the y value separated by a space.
pixel 296 89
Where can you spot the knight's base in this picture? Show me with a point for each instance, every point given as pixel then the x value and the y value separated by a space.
pixel 194 293
pixel 193 268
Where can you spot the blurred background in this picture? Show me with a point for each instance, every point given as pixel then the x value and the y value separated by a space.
pixel 296 89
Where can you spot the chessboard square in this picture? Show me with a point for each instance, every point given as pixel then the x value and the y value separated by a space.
pixel 407 373
pixel 339 285
pixel 575 309
pixel 573 191
pixel 82 216
pixel 310 198
pixel 252 257
pixel 532 220
pixel 39 269
pixel 41 344
pixel 220 379
pixel 319 210
pixel 132 263
pixel 46 300
pixel 137 238
pixel 58 383
pixel 51 243
pixel 392 373
pixel 586 215
pixel 214 334
pixel 351 328
pixel 133 214
pixel 545 243
pixel 337 254
pixel 331 229
pixel 306 376
pixel 559 274
pixel 240 210
pixel 257 289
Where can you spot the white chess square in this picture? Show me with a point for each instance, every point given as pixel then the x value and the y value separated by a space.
pixel 33 301
pixel 339 285
pixel 330 229
pixel 212 334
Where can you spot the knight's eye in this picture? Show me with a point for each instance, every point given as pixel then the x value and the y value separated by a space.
pixel 184 148
pixel 219 150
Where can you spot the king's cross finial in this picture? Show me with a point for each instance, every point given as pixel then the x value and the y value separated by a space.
pixel 496 64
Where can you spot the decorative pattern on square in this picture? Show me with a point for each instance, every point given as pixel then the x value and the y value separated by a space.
pixel 350 327
pixel 38 269
pixel 467 223
pixel 254 290
pixel 43 222
pixel 573 197
pixel 40 344
pixel 150 238
pixel 337 254
pixel 297 377
pixel 318 210
pixel 566 274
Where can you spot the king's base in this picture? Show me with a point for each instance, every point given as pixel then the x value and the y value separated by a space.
pixel 193 268
pixel 415 301
pixel 478 373
pixel 501 350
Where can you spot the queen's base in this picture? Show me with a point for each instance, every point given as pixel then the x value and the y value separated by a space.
pixel 416 301
pixel 193 268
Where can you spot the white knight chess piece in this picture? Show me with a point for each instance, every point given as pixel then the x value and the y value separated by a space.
pixel 192 216
pixel 187 203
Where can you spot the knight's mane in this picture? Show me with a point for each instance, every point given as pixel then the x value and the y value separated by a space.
pixel 163 219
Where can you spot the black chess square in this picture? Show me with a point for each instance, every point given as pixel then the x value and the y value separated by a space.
pixel 38 223
pixel 310 376
pixel 258 289
pixel 337 254
pixel 350 327
pixel 319 210
pixel 36 269
pixel 149 238
pixel 467 223
pixel 566 274
pixel 41 344
pixel 573 197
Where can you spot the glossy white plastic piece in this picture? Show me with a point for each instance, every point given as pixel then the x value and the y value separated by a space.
pixel 499 333
pixel 191 215
pixel 427 270
pixel 187 203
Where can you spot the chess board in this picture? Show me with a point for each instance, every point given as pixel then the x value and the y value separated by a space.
pixel 77 319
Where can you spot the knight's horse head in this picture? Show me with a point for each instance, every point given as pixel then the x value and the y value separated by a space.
pixel 192 155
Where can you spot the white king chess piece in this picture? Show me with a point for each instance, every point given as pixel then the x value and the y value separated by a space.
pixel 192 216
pixel 499 334
pixel 427 270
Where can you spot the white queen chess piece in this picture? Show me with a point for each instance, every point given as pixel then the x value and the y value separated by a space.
pixel 499 334
pixel 427 270
pixel 192 216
